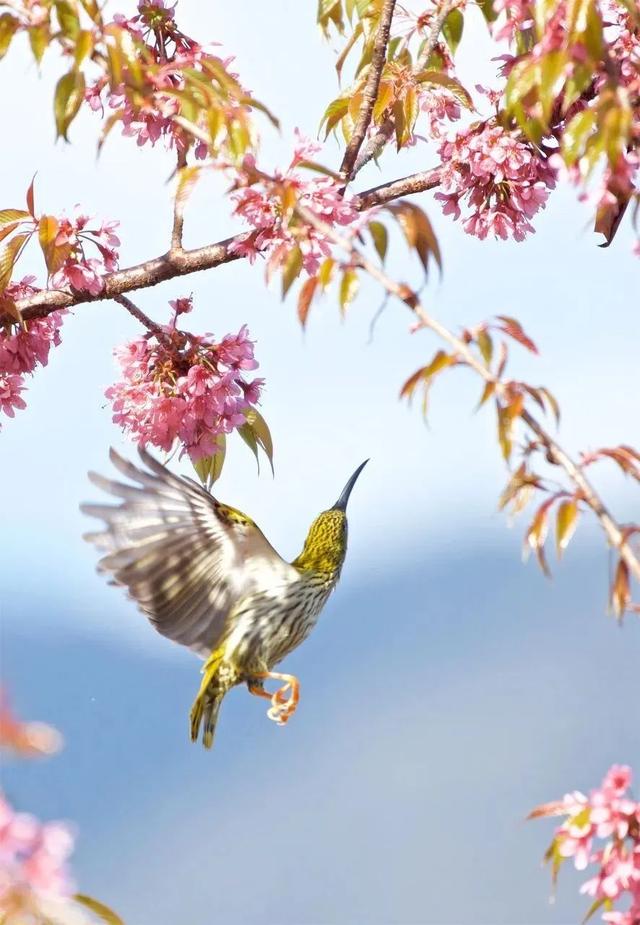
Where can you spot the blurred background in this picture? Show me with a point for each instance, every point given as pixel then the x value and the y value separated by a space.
pixel 448 688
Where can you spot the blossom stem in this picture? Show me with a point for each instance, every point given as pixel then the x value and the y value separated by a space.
pixel 370 92
pixel 140 316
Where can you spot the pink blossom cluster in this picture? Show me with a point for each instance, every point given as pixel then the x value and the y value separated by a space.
pixel 24 347
pixel 610 814
pixel 440 107
pixel 77 270
pixel 33 863
pixel 268 205
pixel 151 116
pixel 502 180
pixel 177 386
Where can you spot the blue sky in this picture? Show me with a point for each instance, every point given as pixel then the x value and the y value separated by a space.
pixel 450 688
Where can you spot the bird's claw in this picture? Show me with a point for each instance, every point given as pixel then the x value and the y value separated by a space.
pixel 282 707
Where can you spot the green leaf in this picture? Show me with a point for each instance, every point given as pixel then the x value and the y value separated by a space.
pixel 256 433
pixel 67 101
pixel 576 134
pixel 487 10
pixel 9 254
pixel 39 37
pixel 485 345
pixel 566 522
pixel 380 238
pixel 455 88
pixel 104 912
pixel 291 269
pixel 349 286
pixel 452 29
pixel 209 468
pixel 84 46
pixel 68 19
pixel 8 216
pixel 8 28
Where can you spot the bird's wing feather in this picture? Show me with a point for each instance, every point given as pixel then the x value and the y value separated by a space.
pixel 183 556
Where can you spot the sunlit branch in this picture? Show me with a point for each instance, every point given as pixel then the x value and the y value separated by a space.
pixel 613 530
pixel 384 133
pixel 370 92
pixel 178 205
pixel 140 316
pixel 179 262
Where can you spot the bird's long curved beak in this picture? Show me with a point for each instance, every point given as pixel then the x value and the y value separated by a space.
pixel 341 503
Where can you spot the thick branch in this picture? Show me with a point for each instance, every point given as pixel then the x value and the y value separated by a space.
pixel 613 531
pixel 174 263
pixel 378 141
pixel 179 262
pixel 370 92
pixel 386 192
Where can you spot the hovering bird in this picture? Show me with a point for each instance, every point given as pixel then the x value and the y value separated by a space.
pixel 206 577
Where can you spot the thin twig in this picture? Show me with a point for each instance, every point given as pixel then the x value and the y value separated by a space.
pixel 434 34
pixel 181 262
pixel 612 529
pixel 140 316
pixel 178 205
pixel 370 92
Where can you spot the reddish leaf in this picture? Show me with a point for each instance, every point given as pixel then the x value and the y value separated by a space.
pixel 621 590
pixel 305 298
pixel 30 197
pixel 537 533
pixel 513 329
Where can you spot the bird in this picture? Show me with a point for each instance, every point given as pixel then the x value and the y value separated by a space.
pixel 207 578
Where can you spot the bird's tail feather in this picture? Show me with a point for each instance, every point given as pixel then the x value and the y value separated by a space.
pixel 204 713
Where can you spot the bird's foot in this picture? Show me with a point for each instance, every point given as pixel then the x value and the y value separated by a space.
pixel 282 706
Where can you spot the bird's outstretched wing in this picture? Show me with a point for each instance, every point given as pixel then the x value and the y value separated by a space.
pixel 184 557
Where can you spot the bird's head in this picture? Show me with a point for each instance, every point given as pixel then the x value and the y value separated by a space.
pixel 326 544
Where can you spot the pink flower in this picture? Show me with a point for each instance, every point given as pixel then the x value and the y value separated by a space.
pixel 609 814
pixel 182 306
pixel 11 386
pixel 184 388
pixel 267 204
pixel 81 276
pixel 502 180
pixel 33 860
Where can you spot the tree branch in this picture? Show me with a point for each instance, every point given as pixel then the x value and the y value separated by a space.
pixel 178 204
pixel 140 316
pixel 612 529
pixel 179 262
pixel 377 142
pixel 370 92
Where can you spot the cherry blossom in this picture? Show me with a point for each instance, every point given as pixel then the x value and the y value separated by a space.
pixel 77 270
pixel 24 347
pixel 608 814
pixel 33 863
pixel 177 386
pixel 500 178
pixel 268 204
